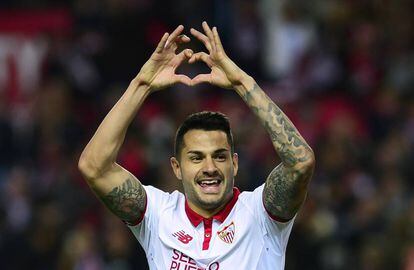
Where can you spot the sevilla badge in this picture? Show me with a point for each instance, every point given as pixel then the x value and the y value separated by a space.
pixel 227 234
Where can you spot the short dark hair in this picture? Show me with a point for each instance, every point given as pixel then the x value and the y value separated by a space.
pixel 207 121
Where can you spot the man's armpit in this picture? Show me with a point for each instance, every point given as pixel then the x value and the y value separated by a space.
pixel 127 201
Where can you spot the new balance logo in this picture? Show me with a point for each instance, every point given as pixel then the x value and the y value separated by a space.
pixel 183 237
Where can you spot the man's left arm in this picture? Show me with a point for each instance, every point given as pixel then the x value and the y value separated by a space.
pixel 286 186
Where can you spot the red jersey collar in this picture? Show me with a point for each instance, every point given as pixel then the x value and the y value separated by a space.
pixel 196 219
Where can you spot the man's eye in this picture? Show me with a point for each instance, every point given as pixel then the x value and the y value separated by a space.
pixel 195 158
pixel 221 157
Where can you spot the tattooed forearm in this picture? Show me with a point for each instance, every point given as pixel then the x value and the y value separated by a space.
pixel 286 186
pixel 285 190
pixel 127 201
pixel 288 143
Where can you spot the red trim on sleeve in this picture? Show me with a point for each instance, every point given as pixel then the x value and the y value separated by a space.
pixel 275 218
pixel 138 221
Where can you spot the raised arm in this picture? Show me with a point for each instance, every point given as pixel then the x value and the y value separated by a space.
pixel 286 186
pixel 118 189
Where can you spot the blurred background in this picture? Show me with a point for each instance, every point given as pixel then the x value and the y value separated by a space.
pixel 342 70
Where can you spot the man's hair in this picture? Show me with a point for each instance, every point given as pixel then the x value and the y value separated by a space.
pixel 207 121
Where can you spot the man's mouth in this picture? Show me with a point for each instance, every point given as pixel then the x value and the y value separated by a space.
pixel 210 185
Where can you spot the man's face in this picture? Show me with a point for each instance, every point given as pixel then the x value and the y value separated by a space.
pixel 206 168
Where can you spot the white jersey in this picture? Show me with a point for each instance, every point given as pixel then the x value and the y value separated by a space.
pixel 241 236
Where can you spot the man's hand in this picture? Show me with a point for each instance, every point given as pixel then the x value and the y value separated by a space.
pixel 159 71
pixel 224 72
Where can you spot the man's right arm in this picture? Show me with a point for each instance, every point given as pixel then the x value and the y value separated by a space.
pixel 118 189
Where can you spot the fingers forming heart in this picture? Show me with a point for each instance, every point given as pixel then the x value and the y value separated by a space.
pixel 211 40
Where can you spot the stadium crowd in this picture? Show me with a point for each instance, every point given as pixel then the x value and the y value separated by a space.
pixel 342 70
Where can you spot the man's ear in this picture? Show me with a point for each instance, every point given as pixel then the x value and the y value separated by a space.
pixel 176 167
pixel 235 163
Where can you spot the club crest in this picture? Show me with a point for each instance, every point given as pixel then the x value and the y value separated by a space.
pixel 227 233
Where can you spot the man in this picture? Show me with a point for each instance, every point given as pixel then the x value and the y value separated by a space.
pixel 212 226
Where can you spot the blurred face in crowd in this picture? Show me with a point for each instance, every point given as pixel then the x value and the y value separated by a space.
pixel 207 168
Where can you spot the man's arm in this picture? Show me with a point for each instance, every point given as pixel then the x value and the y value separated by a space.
pixel 119 190
pixel 286 186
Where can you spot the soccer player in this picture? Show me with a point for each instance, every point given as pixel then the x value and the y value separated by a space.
pixel 212 225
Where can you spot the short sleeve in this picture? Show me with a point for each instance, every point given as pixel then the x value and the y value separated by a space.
pixel 276 231
pixel 146 228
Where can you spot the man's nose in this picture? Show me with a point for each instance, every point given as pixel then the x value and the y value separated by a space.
pixel 209 167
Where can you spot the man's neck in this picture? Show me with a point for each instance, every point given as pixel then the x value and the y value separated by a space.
pixel 206 213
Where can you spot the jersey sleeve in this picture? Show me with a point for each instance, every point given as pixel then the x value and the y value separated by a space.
pixel 146 228
pixel 275 230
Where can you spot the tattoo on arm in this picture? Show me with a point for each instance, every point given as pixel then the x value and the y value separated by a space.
pixel 127 201
pixel 289 144
pixel 284 191
pixel 286 186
